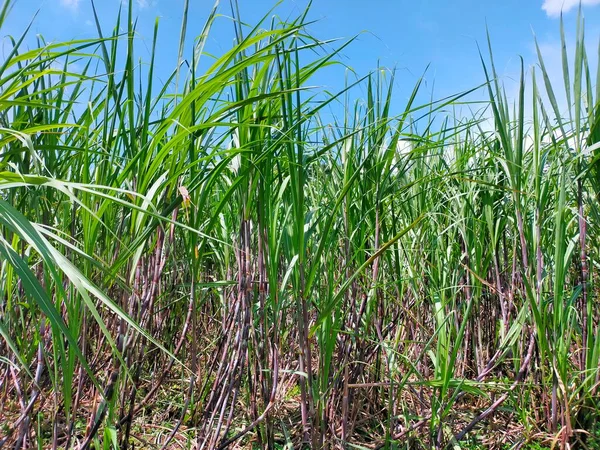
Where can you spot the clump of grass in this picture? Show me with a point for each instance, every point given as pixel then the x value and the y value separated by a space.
pixel 220 267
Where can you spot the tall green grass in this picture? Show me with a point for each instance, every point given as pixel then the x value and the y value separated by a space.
pixel 218 266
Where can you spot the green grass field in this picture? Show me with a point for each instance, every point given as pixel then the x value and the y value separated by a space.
pixel 223 267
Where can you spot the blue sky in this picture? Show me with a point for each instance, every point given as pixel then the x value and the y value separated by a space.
pixel 405 34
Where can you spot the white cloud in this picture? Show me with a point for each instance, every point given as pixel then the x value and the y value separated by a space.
pixel 141 4
pixel 71 4
pixel 554 7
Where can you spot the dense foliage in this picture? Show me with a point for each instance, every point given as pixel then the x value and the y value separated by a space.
pixel 223 267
